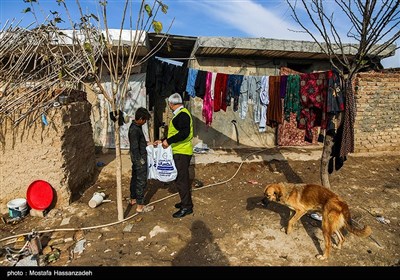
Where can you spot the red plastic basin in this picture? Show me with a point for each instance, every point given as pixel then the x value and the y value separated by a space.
pixel 39 195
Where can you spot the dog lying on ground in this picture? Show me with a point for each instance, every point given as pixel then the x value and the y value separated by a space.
pixel 306 197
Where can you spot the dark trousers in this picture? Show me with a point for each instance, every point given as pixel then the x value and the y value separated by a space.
pixel 182 163
pixel 138 181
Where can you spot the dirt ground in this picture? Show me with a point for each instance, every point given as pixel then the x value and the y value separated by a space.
pixel 230 225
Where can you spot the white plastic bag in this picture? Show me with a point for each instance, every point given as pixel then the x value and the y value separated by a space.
pixel 151 162
pixel 161 165
pixel 165 165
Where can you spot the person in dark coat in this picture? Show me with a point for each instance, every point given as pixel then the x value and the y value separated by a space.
pixel 138 153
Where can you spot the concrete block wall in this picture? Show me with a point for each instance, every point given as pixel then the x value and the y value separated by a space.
pixel 377 125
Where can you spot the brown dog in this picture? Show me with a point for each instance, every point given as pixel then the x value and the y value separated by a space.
pixel 305 197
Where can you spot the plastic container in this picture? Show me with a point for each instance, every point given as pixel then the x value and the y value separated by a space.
pixel 17 207
pixel 39 195
pixel 96 200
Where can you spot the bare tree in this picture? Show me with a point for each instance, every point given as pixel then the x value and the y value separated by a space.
pixel 43 57
pixel 373 29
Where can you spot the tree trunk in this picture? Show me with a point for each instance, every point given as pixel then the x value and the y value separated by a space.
pixel 326 154
pixel 118 163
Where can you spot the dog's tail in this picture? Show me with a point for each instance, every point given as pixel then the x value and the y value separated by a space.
pixel 364 232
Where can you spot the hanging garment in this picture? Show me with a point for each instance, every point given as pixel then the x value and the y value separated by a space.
pixel 292 97
pixel 283 84
pixel 244 97
pixel 207 110
pixel 233 90
pixel 274 110
pixel 220 92
pixel 191 81
pixel 254 95
pixel 249 89
pixel 347 145
pixel 213 77
pixel 313 90
pixel 264 101
pixel 163 79
pixel 200 84
pixel 288 132
pixel 180 81
pixel 335 102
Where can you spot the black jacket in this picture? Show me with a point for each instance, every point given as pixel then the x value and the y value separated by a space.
pixel 137 143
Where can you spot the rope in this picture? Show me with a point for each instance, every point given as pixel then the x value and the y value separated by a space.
pixel 14 255
pixel 135 214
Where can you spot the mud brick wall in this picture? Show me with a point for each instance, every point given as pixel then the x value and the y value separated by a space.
pixel 377 125
pixel 61 153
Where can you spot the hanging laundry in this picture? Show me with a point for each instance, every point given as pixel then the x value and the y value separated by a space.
pixel 292 97
pixel 274 110
pixel 313 90
pixel 207 111
pixel 220 92
pixel 213 78
pixel 191 81
pixel 164 78
pixel 283 84
pixel 249 94
pixel 264 101
pixel 233 90
pixel 200 84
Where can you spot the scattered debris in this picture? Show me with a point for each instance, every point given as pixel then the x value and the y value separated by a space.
pixel 201 148
pixel 142 238
pixel 13 255
pixel 27 261
pixel 198 183
pixel 12 221
pixel 128 228
pixel 53 256
pixel 80 246
pixel 316 216
pixel 377 243
pixel 44 119
pixel 253 182
pixel 37 213
pixel 382 220
pixel 65 221
pixel 156 230
pixel 68 239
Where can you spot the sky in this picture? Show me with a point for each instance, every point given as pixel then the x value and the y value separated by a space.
pixel 224 18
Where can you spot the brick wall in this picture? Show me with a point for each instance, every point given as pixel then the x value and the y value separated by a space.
pixel 377 126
